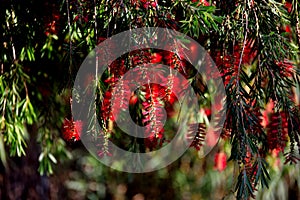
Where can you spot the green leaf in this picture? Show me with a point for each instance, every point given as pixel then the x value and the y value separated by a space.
pixel 52 158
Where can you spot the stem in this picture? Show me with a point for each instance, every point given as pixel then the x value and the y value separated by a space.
pixel 95 18
pixel 4 107
pixel 239 113
pixel 297 24
pixel 96 71
pixel 70 32
pixel 26 89
pixel 241 57
pixel 11 38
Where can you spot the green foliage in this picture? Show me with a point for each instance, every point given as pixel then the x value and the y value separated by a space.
pixel 16 109
pixel 199 20
pixel 258 59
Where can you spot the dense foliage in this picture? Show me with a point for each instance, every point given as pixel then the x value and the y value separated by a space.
pixel 254 43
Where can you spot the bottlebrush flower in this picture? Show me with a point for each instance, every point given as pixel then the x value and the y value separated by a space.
pixel 106 106
pixel 139 56
pixel 155 140
pixel 220 161
pixel 133 99
pixel 103 145
pixel 229 63
pixel 198 140
pixel 289 6
pixel 148 4
pixel 285 68
pixel 153 109
pixel 288 29
pixel 276 132
pixel 72 130
pixel 52 23
pixel 153 4
pixel 156 58
pixel 201 2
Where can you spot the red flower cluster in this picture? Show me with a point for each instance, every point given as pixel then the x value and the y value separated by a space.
pixel 155 100
pixel 229 63
pixel 289 6
pixel 198 140
pixel 72 130
pixel 146 4
pixel 285 68
pixel 277 131
pixel 51 22
pixel 277 127
pixel 153 112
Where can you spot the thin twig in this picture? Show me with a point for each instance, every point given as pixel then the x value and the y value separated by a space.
pixel 96 72
pixel 95 18
pixel 297 24
pixel 242 54
pixel 11 38
pixel 70 38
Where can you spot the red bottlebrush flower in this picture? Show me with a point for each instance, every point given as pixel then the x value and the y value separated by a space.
pixel 106 106
pixel 52 23
pixel 156 58
pixel 72 130
pixel 153 4
pixel 155 140
pixel 103 148
pixel 288 6
pixel 111 80
pixel 76 18
pixel 284 125
pixel 140 56
pixel 288 29
pixel 118 68
pixel 207 112
pixel 175 61
pixel 229 64
pixel 120 96
pixel 220 161
pixel 147 3
pixel 276 132
pixel 153 108
pixel 198 140
pixel 285 68
pixel 205 3
pixel 51 28
pixel 201 2
pixel 102 153
pixel 101 39
pixel 133 99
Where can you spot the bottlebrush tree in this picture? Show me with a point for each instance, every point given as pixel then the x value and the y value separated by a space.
pixel 254 43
